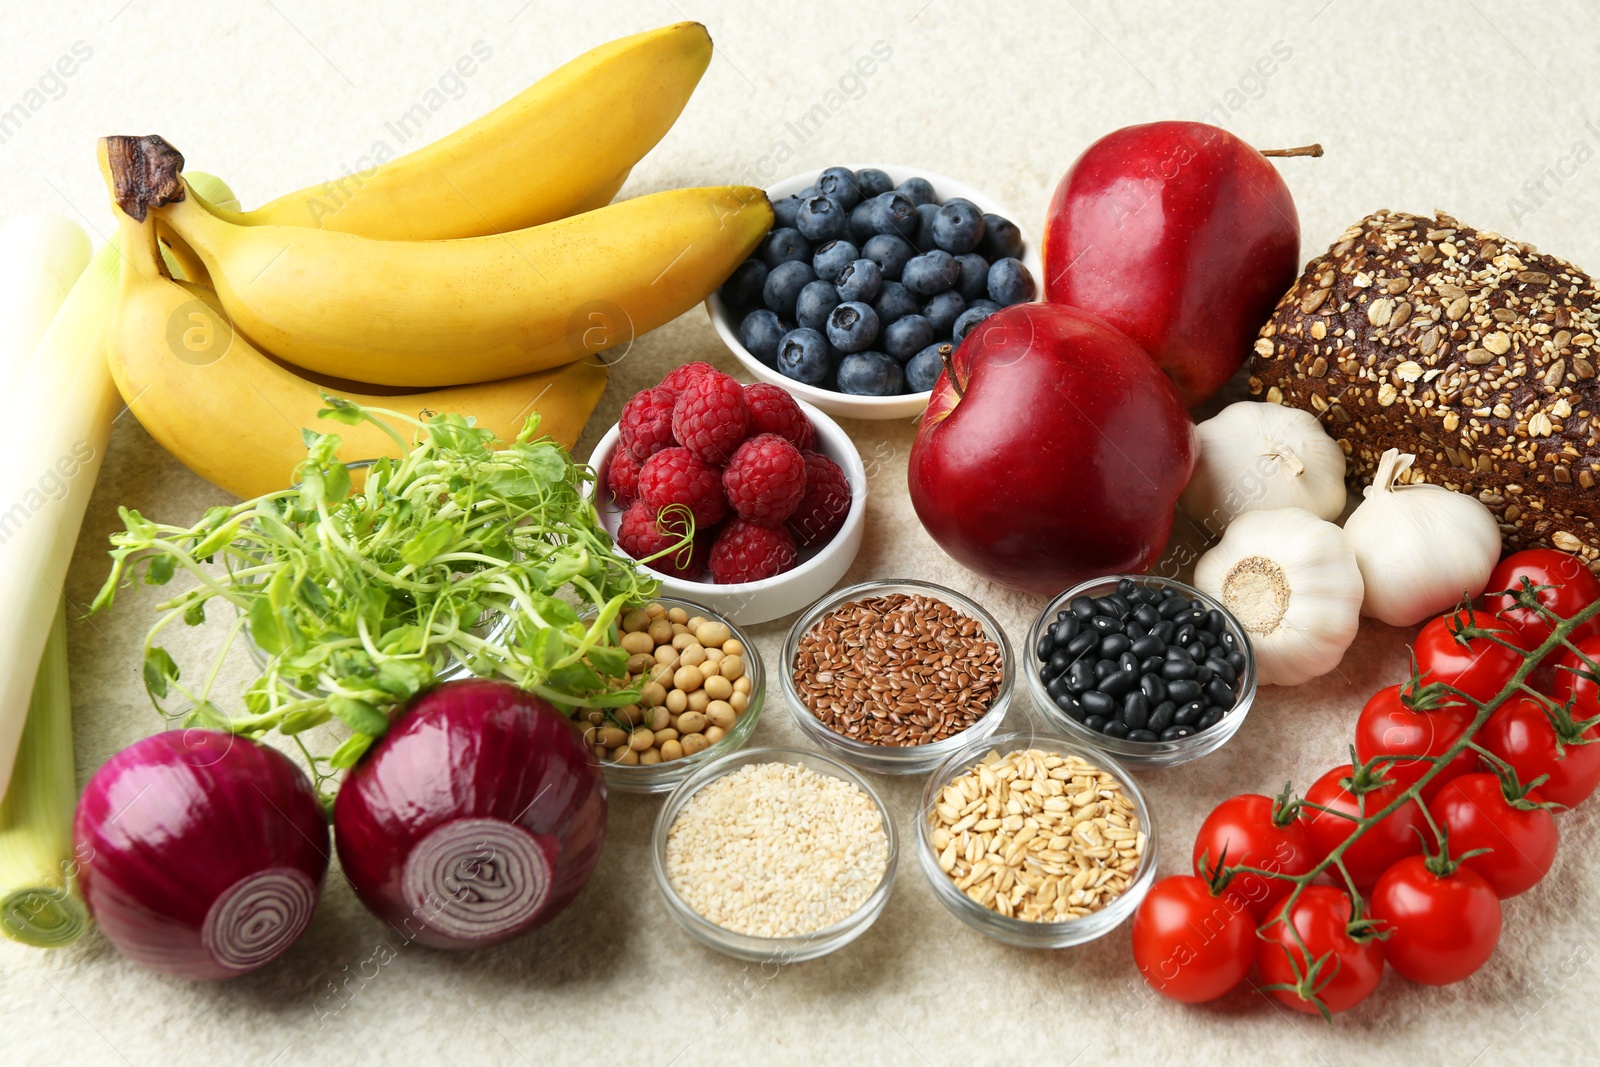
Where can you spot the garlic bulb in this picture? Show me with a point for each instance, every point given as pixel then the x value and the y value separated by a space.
pixel 1260 457
pixel 1292 582
pixel 1421 548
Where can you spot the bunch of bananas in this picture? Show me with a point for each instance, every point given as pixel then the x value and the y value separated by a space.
pixel 480 275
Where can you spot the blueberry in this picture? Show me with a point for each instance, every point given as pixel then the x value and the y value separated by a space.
pixel 831 258
pixel 743 287
pixel 804 356
pixel 785 245
pixel 895 302
pixel 891 254
pixel 943 310
pixel 973 281
pixel 822 219
pixel 1010 283
pixel 892 213
pixel 852 327
pixel 958 227
pixel 933 272
pixel 905 337
pixel 784 211
pixel 861 281
pixel 917 190
pixel 925 217
pixel 870 374
pixel 817 300
pixel 976 312
pixel 782 287
pixel 873 182
pixel 808 192
pixel 1001 239
pixel 839 185
pixel 760 333
pixel 861 222
pixel 923 370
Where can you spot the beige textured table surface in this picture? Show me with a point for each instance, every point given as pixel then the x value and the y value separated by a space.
pixel 1477 108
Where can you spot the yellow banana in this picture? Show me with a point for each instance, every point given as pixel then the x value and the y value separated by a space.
pixel 233 416
pixel 428 313
pixel 561 147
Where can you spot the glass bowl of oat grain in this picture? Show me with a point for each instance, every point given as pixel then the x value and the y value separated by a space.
pixel 893 676
pixel 774 855
pixel 1036 840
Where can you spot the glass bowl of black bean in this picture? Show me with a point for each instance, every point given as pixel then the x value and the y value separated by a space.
pixel 1146 668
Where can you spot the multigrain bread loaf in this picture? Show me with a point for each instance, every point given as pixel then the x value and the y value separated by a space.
pixel 1472 351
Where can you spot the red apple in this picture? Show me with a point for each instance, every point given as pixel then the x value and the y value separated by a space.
pixel 1181 236
pixel 1053 451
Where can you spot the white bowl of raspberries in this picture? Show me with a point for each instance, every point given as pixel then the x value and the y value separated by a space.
pixel 772 489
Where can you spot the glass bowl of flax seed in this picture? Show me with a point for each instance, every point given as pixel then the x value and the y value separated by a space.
pixel 893 676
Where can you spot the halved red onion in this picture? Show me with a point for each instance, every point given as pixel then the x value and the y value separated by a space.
pixel 203 853
pixel 476 818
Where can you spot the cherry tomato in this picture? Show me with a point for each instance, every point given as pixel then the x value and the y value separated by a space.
pixel 1347 970
pixel 1189 945
pixel 1242 829
pixel 1475 813
pixel 1520 733
pixel 1441 928
pixel 1574 587
pixel 1388 727
pixel 1476 666
pixel 1399 835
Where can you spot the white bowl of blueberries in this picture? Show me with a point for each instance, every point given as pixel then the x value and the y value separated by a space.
pixel 867 272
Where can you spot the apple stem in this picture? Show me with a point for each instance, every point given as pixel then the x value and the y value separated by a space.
pixel 1304 150
pixel 950 371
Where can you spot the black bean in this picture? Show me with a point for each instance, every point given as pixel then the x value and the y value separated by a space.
pixel 1046 645
pixel 1136 710
pixel 1151 595
pixel 1209 719
pixel 1206 637
pixel 1183 690
pixel 1196 650
pixel 1220 693
pixel 1106 624
pixel 1120 603
pixel 1044 674
pixel 1162 716
pixel 1185 634
pixel 1083 607
pixel 1097 703
pixel 1229 641
pixel 1236 660
pixel 1118 684
pixel 1081 675
pixel 1126 587
pixel 1066 629
pixel 1202 675
pixel 1096 722
pixel 1177 733
pixel 1148 645
pixel 1195 618
pixel 1147 616
pixel 1173 606
pixel 1103 667
pixel 1071 706
pixel 1190 713
pixel 1164 630
pixel 1104 605
pixel 1154 687
pixel 1176 652
pixel 1114 645
pixel 1221 668
pixel 1142 735
pixel 1083 642
pixel 1151 665
pixel 1062 614
pixel 1130 663
pixel 1175 670
pixel 1134 629
pixel 1216 621
pixel 1060 661
pixel 1115 728
pixel 1058 686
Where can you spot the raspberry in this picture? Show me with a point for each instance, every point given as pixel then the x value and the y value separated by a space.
pixel 676 476
pixel 765 479
pixel 622 477
pixel 679 377
pixel 749 552
pixel 773 410
pixel 826 502
pixel 710 417
pixel 642 533
pixel 646 423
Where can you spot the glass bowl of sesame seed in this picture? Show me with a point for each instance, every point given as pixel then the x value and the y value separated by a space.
pixel 774 855
pixel 1036 840
pixel 893 676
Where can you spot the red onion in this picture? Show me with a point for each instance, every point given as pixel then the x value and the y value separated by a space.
pixel 476 818
pixel 203 852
